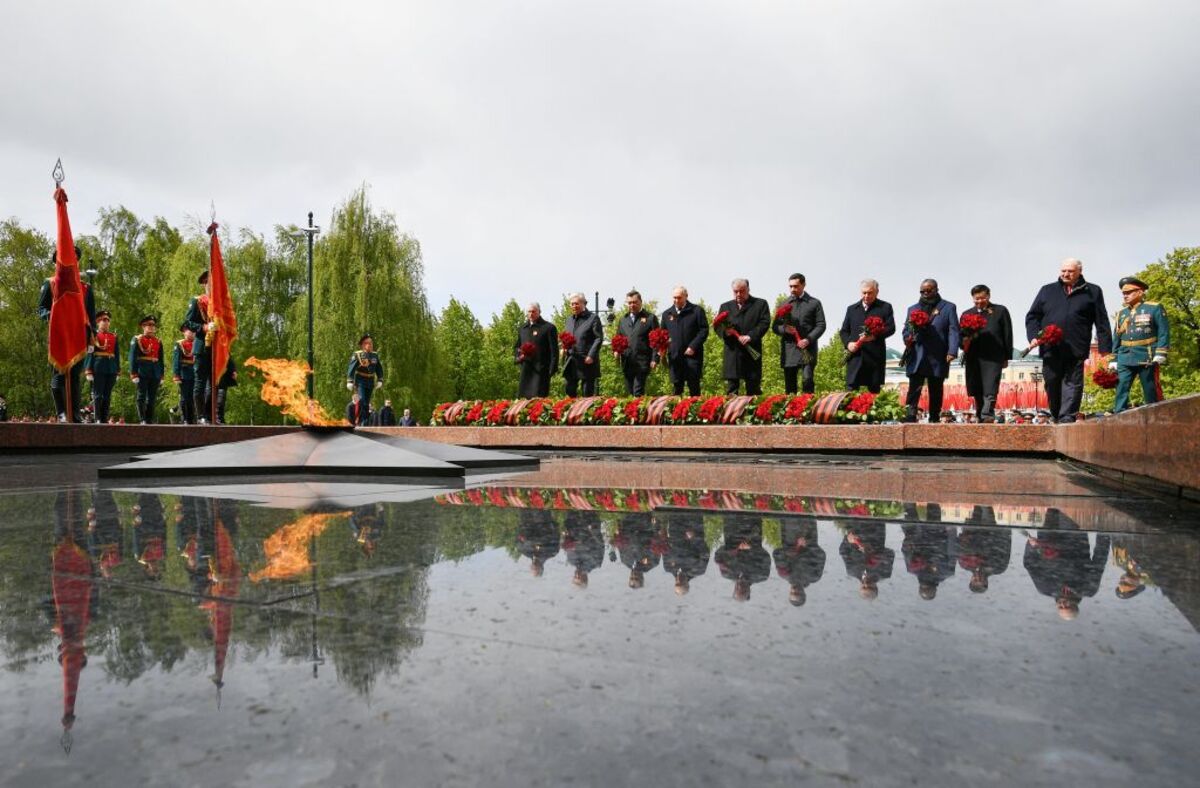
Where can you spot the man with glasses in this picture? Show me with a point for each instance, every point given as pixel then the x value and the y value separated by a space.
pixel 1142 343
pixel 929 349
pixel 1074 306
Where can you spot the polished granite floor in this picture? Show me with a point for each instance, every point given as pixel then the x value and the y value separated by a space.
pixel 649 620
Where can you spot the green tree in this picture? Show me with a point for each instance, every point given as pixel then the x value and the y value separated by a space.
pixel 498 374
pixel 1174 282
pixel 24 368
pixel 460 342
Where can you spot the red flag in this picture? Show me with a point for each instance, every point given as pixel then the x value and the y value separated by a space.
pixel 68 317
pixel 220 311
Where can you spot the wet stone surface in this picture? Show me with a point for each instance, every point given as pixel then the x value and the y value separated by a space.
pixel 602 623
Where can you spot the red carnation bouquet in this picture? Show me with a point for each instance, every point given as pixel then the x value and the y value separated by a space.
pixel 1049 336
pixel 730 331
pixel 660 340
pixel 917 319
pixel 783 312
pixel 620 343
pixel 1105 379
pixel 528 350
pixel 970 325
pixel 567 339
pixel 872 328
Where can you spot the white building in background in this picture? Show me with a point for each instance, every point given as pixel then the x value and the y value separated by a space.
pixel 1019 370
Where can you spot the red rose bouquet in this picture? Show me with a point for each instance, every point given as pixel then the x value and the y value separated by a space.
pixel 970 325
pixel 917 319
pixel 567 339
pixel 1049 336
pixel 1104 378
pixel 620 343
pixel 730 331
pixel 528 350
pixel 783 312
pixel 660 340
pixel 872 328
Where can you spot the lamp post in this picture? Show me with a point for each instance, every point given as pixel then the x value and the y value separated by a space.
pixel 311 231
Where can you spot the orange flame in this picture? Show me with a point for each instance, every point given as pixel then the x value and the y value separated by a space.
pixel 283 387
pixel 287 548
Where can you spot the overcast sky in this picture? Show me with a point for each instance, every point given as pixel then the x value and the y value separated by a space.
pixel 540 147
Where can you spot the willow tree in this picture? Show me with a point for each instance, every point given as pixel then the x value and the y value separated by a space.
pixel 460 346
pixel 369 279
pixel 24 370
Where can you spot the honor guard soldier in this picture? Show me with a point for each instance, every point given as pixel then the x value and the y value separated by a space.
pixel 199 321
pixel 102 366
pixel 58 381
pixel 364 375
pixel 228 379
pixel 1141 344
pixel 146 367
pixel 183 372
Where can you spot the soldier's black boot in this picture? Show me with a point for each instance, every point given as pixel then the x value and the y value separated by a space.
pixel 141 411
pixel 221 405
pixel 201 415
pixel 60 403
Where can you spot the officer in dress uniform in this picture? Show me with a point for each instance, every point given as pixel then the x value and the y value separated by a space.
pixel 799 560
pixel 58 381
pixel 146 367
pixel 183 372
pixel 1142 342
pixel 639 359
pixel 227 381
pixel 364 375
pixel 102 366
pixel 538 367
pixel 106 538
pixel 582 362
pixel 199 321
pixel 150 535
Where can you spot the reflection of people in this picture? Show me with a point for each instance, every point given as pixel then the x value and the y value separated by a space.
pixel 364 375
pixel 929 552
pixel 867 557
pixel 983 552
pixel 536 350
pixel 1133 578
pixel 364 524
pixel 150 535
pixel 537 538
pixel 688 327
pixel 581 364
pixel 583 543
pixel 987 353
pixel 74 598
pixel 106 539
pixel 1062 564
pixel 640 546
pixel 741 556
pixel 1075 306
pixel 799 560
pixel 748 320
pixel 865 366
pixel 638 360
pixel 798 335
pixel 1142 342
pixel 929 350
pixel 687 552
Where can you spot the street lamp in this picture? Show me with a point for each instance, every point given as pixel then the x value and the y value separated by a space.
pixel 610 315
pixel 311 231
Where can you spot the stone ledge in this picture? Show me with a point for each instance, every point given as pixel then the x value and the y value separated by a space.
pixel 16 436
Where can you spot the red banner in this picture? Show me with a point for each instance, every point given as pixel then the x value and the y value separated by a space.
pixel 68 317
pixel 220 312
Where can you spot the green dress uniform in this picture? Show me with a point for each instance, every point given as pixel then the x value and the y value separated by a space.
pixel 146 369
pixel 1142 342
pixel 183 372
pixel 102 366
pixel 364 375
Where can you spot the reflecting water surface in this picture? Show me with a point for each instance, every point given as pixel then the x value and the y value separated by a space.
pixel 598 622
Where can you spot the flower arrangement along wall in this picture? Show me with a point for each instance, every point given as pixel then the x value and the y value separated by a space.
pixel 838 408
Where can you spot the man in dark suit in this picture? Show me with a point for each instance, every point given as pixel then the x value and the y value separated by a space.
pixel 929 550
pixel 1075 306
pixel 387 416
pixel 542 361
pixel 798 335
pixel 748 320
pixel 687 552
pixel 986 354
pixel 638 360
pixel 983 552
pixel 582 362
pixel 868 354
pixel 688 326
pixel 928 350
pixel 799 560
pixel 583 542
pixel 867 557
pixel 742 557
pixel 537 538
pixel 1062 564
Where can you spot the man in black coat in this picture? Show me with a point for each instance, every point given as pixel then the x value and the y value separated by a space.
pixel 537 538
pixel 867 557
pixel 583 542
pixel 868 354
pixel 929 349
pixel 688 326
pixel 1075 306
pixel 747 320
pixel 986 354
pixel 542 361
pixel 1062 564
pixel 639 545
pixel 983 552
pixel 798 335
pixel 799 560
pixel 582 362
pixel 742 557
pixel 638 360
pixel 687 552
pixel 387 416
pixel 929 550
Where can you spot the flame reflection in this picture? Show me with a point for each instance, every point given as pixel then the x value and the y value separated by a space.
pixel 287 548
pixel 284 387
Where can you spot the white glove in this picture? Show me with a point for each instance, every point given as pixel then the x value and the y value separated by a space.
pixel 89 375
pixel 1112 365
pixel 349 386
pixel 134 378
pixel 1159 360
pixel 379 384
